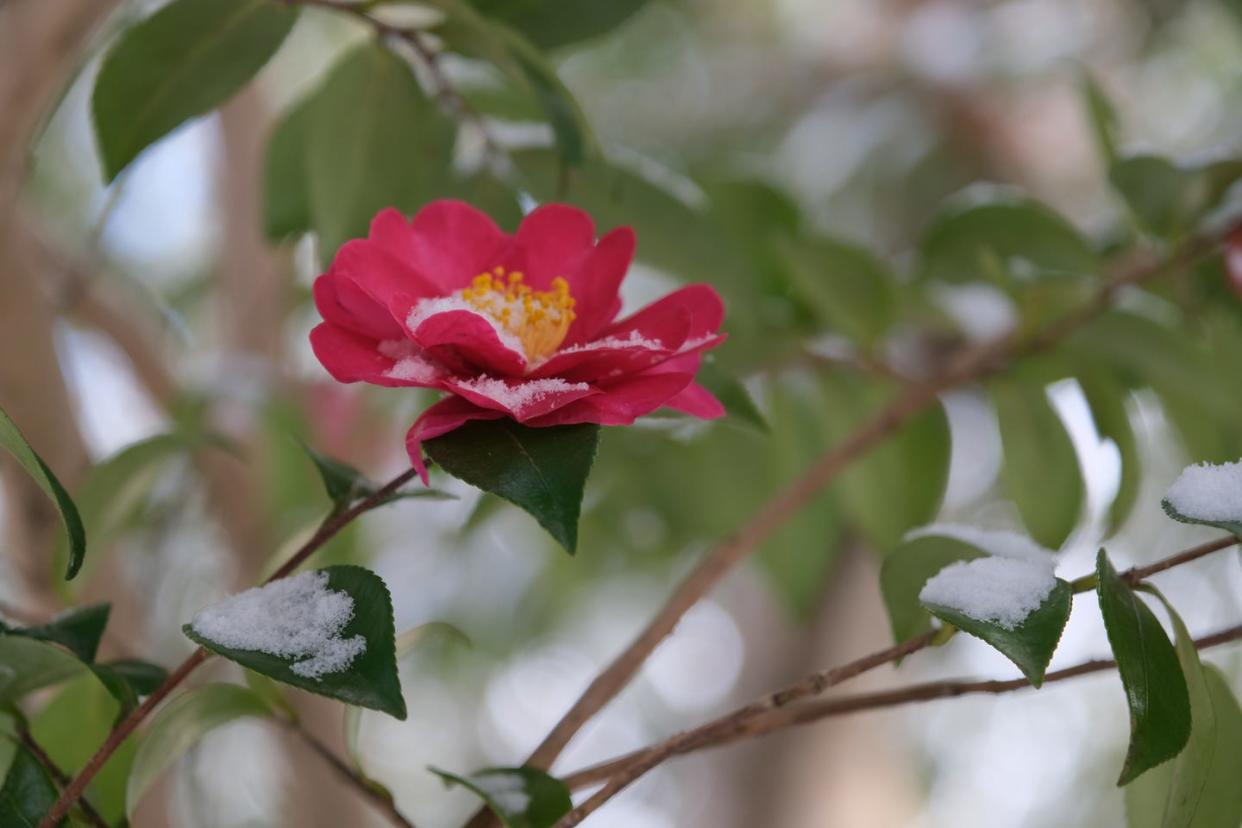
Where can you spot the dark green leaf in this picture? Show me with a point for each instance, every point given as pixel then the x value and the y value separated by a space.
pixel 341 481
pixel 738 403
pixel 1029 645
pixel 1040 472
pixel 905 571
pixel 78 630
pixel 848 287
pixel 286 200
pixel 375 141
pixel 549 23
pixel 521 797
pixel 1234 526
pixel 1018 238
pixel 371 679
pixel 142 676
pixel 181 724
pixel 541 470
pixel 11 439
pixel 184 60
pixel 1155 687
pixel 28 792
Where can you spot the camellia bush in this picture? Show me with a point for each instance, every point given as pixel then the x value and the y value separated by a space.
pixel 782 397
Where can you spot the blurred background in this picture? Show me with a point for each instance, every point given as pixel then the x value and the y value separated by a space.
pixel 749 130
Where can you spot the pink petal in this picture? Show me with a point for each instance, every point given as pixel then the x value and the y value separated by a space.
pixel 596 284
pixel 622 403
pixel 697 401
pixel 441 418
pixel 685 315
pixel 449 242
pixel 466 340
pixel 343 303
pixel 388 280
pixel 350 357
pixel 554 239
pixel 522 399
pixel 606 358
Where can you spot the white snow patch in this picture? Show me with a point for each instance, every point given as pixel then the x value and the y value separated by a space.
pixel 631 340
pixel 1001 543
pixel 696 342
pixel 526 392
pixel 428 308
pixel 414 368
pixel 397 348
pixel 295 617
pixel 996 589
pixel 1206 491
pixel 507 790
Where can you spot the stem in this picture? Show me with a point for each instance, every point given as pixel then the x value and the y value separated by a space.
pixel 742 722
pixel 972 365
pixel 804 714
pixel 334 524
pixel 377 798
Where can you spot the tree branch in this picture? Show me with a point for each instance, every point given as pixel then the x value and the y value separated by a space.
pixel 330 528
pixel 972 365
pixel 749 720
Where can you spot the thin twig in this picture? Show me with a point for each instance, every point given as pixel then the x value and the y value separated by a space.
pixel 625 770
pixel 971 366
pixel 784 718
pixel 379 799
pixel 58 776
pixel 326 532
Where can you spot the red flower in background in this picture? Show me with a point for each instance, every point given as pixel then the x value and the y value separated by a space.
pixel 1233 261
pixel 519 326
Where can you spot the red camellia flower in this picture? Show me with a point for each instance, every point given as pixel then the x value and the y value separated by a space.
pixel 519 326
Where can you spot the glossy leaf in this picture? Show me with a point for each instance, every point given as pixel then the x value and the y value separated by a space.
pixel 374 141
pixel 11 440
pixel 181 724
pixel 1150 672
pixel 28 792
pixel 1040 471
pixel 371 679
pixel 1016 238
pixel 549 23
pixel 78 630
pixel 906 570
pixel 187 58
pixel 520 797
pixel 541 470
pixel 1029 645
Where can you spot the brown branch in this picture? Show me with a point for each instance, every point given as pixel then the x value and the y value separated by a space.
pixel 330 528
pixel 59 776
pixel 379 799
pixel 621 772
pixel 971 366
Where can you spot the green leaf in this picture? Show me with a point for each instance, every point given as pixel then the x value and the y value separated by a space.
pixel 143 677
pixel 374 141
pixel 1234 526
pixel 540 470
pixel 1200 790
pixel 1150 672
pixel 905 571
pixel 737 401
pixel 1020 236
pixel 371 679
pixel 1102 117
pixel 898 485
pixel 848 287
pixel 1107 401
pixel 1040 472
pixel 30 665
pixel 521 797
pixel 1168 199
pixel 11 439
pixel 78 630
pixel 28 792
pixel 184 60
pixel 286 196
pixel 345 484
pixel 1029 645
pixel 180 725
pixel 549 23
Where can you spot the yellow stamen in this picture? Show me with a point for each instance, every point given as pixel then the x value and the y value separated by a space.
pixel 540 319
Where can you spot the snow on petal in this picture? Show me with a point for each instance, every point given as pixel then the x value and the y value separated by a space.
pixel 1206 491
pixel 428 308
pixel 296 618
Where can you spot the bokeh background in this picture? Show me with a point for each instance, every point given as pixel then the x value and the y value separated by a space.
pixel 169 311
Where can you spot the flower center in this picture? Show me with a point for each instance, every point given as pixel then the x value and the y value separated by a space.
pixel 540 319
